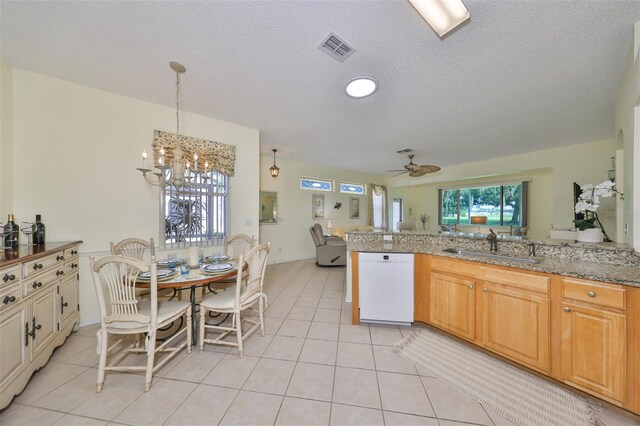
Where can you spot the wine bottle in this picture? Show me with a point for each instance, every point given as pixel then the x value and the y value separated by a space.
pixel 38 231
pixel 12 240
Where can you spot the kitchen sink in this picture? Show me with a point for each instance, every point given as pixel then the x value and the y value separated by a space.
pixel 490 256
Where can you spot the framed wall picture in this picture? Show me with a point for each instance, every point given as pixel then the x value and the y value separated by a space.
pixel 317 206
pixel 354 208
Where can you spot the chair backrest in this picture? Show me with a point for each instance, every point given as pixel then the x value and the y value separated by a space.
pixel 250 283
pixel 114 278
pixel 317 234
pixel 236 244
pixel 407 226
pixel 134 248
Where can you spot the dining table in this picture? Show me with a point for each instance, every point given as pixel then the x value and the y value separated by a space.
pixel 193 280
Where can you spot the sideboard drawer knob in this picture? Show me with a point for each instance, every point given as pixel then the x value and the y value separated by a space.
pixel 566 309
pixel 591 294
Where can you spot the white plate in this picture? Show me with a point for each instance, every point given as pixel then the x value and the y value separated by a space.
pixel 217 258
pixel 165 262
pixel 163 274
pixel 217 268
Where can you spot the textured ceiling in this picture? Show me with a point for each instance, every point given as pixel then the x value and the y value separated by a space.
pixel 519 76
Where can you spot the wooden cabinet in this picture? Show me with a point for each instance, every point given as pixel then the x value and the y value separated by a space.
pixel 516 324
pixel 452 304
pixel 38 310
pixel 14 356
pixel 594 338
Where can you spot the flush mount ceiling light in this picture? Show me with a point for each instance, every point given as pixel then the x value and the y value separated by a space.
pixel 442 15
pixel 361 86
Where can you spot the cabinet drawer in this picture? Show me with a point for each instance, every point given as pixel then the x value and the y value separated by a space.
pixel 454 266
pixel 39 281
pixel 71 266
pixel 71 253
pixel 9 276
pixel 10 296
pixel 601 294
pixel 537 283
pixel 38 265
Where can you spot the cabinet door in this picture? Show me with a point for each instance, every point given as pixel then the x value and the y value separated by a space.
pixel 14 353
pixel 594 351
pixel 516 324
pixel 68 299
pixel 46 324
pixel 452 304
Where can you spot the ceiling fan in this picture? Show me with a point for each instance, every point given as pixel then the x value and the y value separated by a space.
pixel 416 170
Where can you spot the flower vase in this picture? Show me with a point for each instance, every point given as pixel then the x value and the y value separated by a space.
pixel 591 235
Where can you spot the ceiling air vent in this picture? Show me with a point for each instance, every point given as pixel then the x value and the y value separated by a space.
pixel 335 47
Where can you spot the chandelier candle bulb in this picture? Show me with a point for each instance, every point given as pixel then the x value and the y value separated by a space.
pixel 195 162
pixel 144 158
pixel 193 257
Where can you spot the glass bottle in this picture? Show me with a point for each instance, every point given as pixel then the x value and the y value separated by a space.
pixel 38 231
pixel 12 240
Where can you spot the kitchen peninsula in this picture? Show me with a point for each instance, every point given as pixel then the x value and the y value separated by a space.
pixel 567 310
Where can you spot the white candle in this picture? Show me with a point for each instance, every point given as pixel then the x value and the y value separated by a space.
pixel 144 157
pixel 193 257
pixel 161 157
pixel 206 166
pixel 195 161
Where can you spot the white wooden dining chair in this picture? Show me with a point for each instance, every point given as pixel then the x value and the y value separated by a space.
pixel 236 244
pixel 134 248
pixel 244 296
pixel 114 278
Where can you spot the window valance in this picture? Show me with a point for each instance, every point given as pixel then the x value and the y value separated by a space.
pixel 221 157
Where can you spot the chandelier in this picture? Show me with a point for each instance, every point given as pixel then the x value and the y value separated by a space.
pixel 174 172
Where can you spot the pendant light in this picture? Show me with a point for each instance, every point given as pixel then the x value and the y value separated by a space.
pixel 275 170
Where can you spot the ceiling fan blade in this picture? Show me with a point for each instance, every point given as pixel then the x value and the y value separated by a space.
pixel 397 171
pixel 417 174
pixel 401 173
pixel 428 168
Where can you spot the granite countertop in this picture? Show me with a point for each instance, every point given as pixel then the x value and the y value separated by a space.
pixel 620 274
pixel 25 253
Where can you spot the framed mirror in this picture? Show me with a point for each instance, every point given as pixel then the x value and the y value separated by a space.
pixel 268 207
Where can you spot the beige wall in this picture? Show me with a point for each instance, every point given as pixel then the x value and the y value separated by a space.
pixel 627 121
pixel 421 198
pixel 75 153
pixel 552 171
pixel 290 238
pixel 6 146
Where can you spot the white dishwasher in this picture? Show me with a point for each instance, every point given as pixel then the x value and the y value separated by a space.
pixel 385 287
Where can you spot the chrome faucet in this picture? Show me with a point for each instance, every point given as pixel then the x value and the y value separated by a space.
pixel 532 248
pixel 493 241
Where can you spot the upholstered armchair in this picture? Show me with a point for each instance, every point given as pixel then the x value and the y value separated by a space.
pixel 329 251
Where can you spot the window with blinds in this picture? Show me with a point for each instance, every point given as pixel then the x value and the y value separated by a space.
pixel 195 214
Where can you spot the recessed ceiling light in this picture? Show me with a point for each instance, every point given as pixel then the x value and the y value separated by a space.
pixel 442 15
pixel 361 87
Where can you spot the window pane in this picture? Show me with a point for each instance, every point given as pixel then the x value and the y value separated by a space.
pixel 195 213
pixel 449 207
pixel 466 201
pixel 351 188
pixel 512 210
pixel 485 201
pixel 316 184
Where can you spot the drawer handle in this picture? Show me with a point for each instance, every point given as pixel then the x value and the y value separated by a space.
pixel 37 266
pixel 74 251
pixel 591 294
pixel 59 257
pixel 566 309
pixel 74 265
pixel 8 299
pixel 486 290
pixel 8 278
pixel 470 286
pixel 36 284
pixel 58 273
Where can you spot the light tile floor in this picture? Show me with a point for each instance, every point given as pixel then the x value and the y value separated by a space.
pixel 311 368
